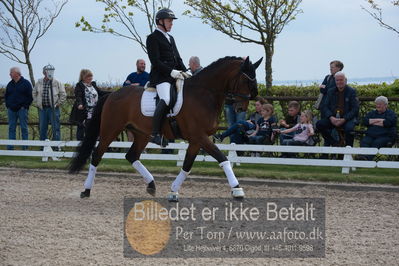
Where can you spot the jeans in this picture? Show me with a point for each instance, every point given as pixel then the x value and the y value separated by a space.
pixel 45 117
pixel 233 117
pixel 22 115
pixel 325 127
pixel 237 127
pixel 378 142
pixel 286 136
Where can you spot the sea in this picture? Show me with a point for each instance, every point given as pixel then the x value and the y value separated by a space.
pixel 358 81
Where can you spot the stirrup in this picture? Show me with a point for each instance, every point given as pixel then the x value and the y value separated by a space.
pixel 160 140
pixel 173 196
pixel 237 193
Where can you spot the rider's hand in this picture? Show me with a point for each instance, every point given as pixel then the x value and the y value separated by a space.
pixel 176 74
pixel 187 74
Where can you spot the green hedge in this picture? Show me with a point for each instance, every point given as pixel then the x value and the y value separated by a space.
pixel 370 90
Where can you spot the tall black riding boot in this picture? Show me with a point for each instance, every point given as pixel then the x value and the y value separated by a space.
pixel 159 115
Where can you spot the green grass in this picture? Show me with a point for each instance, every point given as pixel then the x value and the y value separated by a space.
pixel 281 172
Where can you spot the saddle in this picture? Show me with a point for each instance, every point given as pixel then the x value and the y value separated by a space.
pixel 150 99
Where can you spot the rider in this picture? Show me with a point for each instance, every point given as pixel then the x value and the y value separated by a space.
pixel 166 65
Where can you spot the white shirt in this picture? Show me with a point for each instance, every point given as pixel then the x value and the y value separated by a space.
pixel 164 33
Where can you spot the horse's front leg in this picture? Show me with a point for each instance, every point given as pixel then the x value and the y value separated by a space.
pixel 191 153
pixel 214 151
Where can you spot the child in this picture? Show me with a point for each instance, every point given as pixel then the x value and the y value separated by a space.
pixel 264 128
pixel 290 120
pixel 243 126
pixel 303 130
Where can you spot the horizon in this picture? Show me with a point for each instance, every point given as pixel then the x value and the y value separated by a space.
pixel 304 82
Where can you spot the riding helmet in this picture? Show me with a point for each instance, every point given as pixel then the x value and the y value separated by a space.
pixel 163 14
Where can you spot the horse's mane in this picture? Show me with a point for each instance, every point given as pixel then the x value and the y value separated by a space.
pixel 214 65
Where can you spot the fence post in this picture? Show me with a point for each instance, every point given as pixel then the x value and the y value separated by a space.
pixel 232 156
pixel 46 149
pixel 347 157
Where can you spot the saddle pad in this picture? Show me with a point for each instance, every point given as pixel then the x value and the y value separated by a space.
pixel 148 103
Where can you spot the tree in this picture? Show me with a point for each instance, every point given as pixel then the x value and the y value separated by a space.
pixel 24 22
pixel 122 13
pixel 240 19
pixel 376 12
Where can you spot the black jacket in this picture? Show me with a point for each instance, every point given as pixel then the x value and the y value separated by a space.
pixel 389 128
pixel 351 103
pixel 18 94
pixel 164 58
pixel 78 116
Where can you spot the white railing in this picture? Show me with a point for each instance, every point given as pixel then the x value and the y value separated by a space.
pixel 347 162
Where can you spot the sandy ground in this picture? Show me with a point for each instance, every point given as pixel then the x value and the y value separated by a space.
pixel 44 222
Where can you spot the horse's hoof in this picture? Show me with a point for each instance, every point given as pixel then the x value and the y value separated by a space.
pixel 151 188
pixel 173 196
pixel 85 194
pixel 237 193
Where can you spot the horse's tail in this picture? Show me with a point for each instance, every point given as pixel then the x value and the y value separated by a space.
pixel 86 146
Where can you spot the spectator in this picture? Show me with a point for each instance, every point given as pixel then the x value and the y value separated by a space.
pixel 291 119
pixel 194 65
pixel 138 78
pixel 302 131
pixel 86 97
pixel 341 109
pixel 48 95
pixel 328 83
pixel 381 126
pixel 232 116
pixel 18 98
pixel 264 127
pixel 242 127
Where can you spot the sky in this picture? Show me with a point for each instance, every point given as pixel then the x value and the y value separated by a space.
pixel 326 30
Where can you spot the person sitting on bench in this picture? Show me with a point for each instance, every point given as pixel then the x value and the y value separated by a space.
pixel 341 109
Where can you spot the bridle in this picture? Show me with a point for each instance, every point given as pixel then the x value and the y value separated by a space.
pixel 239 97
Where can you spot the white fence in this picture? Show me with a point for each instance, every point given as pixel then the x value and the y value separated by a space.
pixel 346 163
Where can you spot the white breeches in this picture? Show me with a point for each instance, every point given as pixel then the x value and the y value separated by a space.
pixel 163 90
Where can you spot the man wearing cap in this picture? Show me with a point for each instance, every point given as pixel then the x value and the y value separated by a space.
pixel 48 95
pixel 166 66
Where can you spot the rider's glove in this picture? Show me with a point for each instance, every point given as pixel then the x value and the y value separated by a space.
pixel 176 74
pixel 187 74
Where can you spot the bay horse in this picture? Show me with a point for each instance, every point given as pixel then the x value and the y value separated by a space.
pixel 203 100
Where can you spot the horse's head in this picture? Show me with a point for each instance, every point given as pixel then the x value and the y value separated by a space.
pixel 245 87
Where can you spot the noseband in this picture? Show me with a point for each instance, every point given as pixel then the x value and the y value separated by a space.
pixel 239 97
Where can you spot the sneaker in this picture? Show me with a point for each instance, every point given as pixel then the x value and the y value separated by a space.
pixel 218 137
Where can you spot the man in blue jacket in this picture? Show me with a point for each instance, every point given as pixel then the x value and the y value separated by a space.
pixel 381 126
pixel 138 78
pixel 18 98
pixel 341 110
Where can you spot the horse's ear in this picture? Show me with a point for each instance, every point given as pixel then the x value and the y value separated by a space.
pixel 256 65
pixel 245 65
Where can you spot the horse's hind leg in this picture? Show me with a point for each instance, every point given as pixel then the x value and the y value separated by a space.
pixel 191 153
pixel 214 151
pixel 133 156
pixel 97 155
